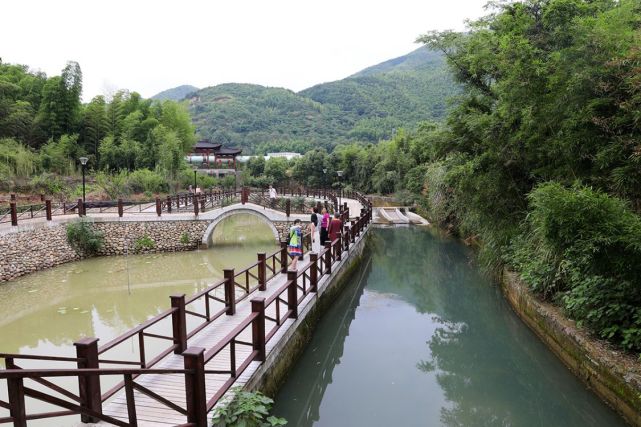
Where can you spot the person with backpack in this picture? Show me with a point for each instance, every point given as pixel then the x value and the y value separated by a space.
pixel 295 243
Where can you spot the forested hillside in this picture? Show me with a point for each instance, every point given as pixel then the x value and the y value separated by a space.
pixel 45 129
pixel 367 106
pixel 177 93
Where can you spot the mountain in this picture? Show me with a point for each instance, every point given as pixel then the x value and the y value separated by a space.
pixel 367 106
pixel 175 94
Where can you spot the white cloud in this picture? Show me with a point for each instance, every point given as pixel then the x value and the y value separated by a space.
pixel 149 46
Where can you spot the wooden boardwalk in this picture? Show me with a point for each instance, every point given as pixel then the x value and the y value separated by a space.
pixel 150 412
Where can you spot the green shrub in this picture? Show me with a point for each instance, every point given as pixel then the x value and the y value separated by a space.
pixel 247 409
pixel 144 181
pixel 184 238
pixel 115 185
pixel 143 243
pixel 298 203
pixel 583 249
pixel 83 238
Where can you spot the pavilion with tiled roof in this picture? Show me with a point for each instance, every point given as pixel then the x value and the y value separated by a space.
pixel 215 153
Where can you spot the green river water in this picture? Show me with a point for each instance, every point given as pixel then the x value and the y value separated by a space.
pixel 420 338
pixel 46 312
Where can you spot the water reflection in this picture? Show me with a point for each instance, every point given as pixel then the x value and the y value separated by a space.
pixel 424 339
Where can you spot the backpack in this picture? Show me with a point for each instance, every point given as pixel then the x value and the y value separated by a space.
pixel 293 236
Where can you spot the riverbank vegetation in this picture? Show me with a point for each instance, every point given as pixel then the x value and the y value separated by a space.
pixel 540 158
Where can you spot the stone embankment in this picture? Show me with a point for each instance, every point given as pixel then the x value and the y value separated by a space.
pixel 44 246
pixel 612 374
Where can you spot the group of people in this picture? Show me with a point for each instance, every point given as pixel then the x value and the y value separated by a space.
pixel 321 230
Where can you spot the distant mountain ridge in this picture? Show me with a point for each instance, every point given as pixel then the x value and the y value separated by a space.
pixel 366 106
pixel 175 94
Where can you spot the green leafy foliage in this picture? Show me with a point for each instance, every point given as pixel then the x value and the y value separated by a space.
pixel 144 243
pixel 83 238
pixel 246 409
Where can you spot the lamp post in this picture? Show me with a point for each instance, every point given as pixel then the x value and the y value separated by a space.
pixel 83 162
pixel 195 184
pixel 340 188
pixel 325 181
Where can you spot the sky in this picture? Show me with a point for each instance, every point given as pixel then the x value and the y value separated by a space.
pixel 150 46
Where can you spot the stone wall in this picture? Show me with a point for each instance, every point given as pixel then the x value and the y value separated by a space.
pixel 32 250
pixel 612 374
pixel 161 236
pixel 283 228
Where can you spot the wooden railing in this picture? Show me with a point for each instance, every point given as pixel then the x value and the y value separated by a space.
pixel 179 203
pixel 206 306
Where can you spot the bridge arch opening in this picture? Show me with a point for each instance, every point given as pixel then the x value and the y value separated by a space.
pixel 238 226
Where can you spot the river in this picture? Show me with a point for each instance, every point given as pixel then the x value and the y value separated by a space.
pixel 421 338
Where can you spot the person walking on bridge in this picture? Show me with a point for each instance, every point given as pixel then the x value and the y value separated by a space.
pixel 335 227
pixel 295 244
pixel 272 196
pixel 324 223
pixel 313 226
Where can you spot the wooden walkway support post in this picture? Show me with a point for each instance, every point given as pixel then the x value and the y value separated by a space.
pixel 283 257
pixel 258 328
pixel 230 293
pixel 194 200
pixel 179 323
pixel 194 360
pixel 292 299
pixel 168 204
pixel 313 272
pixel 48 209
pixel 158 206
pixel 262 271
pixel 17 408
pixel 14 214
pixel 81 208
pixel 288 207
pixel 328 257
pixel 120 208
pixel 89 386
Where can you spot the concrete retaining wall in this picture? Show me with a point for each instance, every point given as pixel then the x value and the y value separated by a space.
pixel 613 375
pixel 290 344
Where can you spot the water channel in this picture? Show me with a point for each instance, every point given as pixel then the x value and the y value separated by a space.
pixel 46 312
pixel 421 338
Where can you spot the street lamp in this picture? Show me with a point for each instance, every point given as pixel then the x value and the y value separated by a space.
pixel 83 162
pixel 325 181
pixel 340 188
pixel 195 184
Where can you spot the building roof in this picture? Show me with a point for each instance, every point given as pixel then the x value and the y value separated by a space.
pixel 205 144
pixel 223 151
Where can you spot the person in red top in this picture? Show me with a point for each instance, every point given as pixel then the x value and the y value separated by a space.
pixel 335 227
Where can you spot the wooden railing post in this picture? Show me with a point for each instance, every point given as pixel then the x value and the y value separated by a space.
pixel 13 197
pixel 179 323
pixel 89 386
pixel 48 209
pixel 313 272
pixel 288 207
pixel 258 328
pixel 230 292
pixel 195 203
pixel 283 257
pixel 158 206
pixel 339 247
pixel 328 257
pixel 202 202
pixel 262 271
pixel 81 207
pixel 352 231
pixel 292 299
pixel 17 408
pixel 194 360
pixel 168 204
pixel 120 208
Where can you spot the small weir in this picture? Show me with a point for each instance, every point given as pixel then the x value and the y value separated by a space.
pixel 421 338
